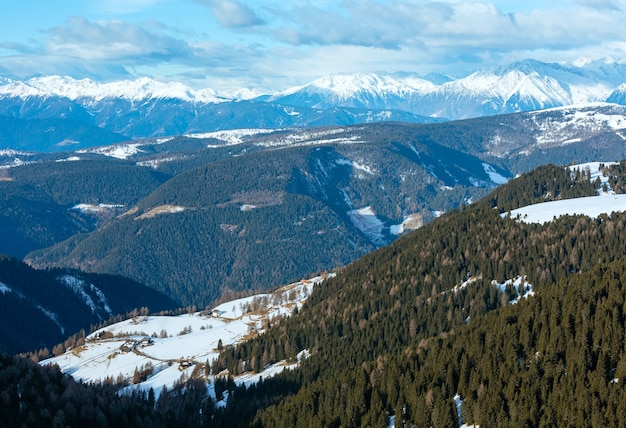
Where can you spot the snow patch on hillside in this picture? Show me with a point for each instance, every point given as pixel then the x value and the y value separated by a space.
pixel 162 209
pixel 576 120
pixel 69 159
pixel 155 163
pixel 522 287
pixel 240 136
pixel 591 206
pixel 4 289
pixel 494 175
pixel 231 137
pixel 366 221
pixel 459 411
pixel 410 222
pixel 78 287
pixel 91 208
pixel 52 316
pixel 102 298
pixel 593 169
pixel 118 151
pixel 356 166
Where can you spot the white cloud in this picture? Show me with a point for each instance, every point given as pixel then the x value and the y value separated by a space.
pixel 112 40
pixel 230 13
pixel 276 44
pixel 480 25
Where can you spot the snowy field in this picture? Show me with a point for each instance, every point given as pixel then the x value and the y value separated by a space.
pixel 591 206
pixel 172 346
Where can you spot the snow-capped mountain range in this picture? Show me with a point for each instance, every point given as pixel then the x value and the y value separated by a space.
pixel 521 86
pixel 147 108
pixel 85 89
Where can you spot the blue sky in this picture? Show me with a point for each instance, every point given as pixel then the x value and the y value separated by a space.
pixel 273 45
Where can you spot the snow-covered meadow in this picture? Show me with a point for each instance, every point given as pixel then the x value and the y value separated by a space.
pixel 606 202
pixel 170 347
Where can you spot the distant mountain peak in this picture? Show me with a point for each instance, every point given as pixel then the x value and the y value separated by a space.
pixel 142 88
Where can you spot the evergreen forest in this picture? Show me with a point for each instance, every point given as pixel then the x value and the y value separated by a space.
pixel 414 328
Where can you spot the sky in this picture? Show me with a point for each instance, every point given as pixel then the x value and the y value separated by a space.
pixel 272 45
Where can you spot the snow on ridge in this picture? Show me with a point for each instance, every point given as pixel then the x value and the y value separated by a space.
pixel 4 289
pixel 348 85
pixel 91 208
pixel 613 121
pixel 78 287
pixel 305 138
pixel 574 107
pixel 238 136
pixel 231 136
pixel 17 162
pixel 118 151
pixel 135 90
pixel 591 206
pixel 20 90
pixel 11 152
pixel 102 298
pixel 504 86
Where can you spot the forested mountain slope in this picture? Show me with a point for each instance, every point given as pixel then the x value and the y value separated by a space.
pixel 41 201
pixel 414 328
pixel 404 329
pixel 42 396
pixel 509 145
pixel 42 308
pixel 312 208
pixel 53 134
pixel 341 190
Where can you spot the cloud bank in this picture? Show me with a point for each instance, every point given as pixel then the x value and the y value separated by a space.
pixel 279 44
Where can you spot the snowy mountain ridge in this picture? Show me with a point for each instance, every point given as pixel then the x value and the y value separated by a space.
pixel 520 86
pixel 135 90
